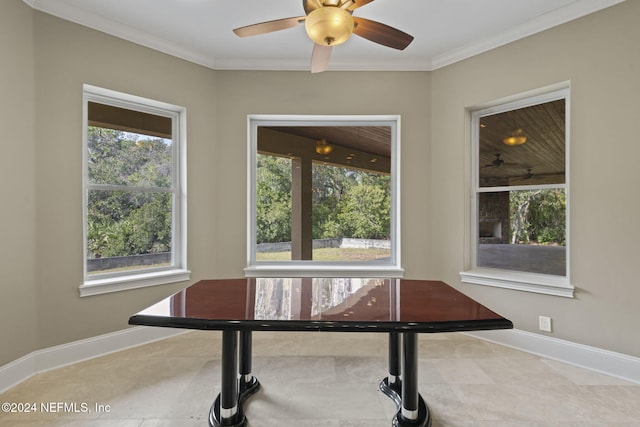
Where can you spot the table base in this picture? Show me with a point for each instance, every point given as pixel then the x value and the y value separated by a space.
pixel 238 384
pixel 394 392
pixel 246 389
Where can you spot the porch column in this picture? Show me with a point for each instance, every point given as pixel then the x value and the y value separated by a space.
pixel 301 209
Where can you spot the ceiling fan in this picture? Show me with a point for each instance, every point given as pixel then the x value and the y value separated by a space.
pixel 498 162
pixel 537 176
pixel 329 23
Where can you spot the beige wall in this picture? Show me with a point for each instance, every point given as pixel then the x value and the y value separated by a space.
pixel 243 93
pixel 18 328
pixel 600 56
pixel 41 263
pixel 67 56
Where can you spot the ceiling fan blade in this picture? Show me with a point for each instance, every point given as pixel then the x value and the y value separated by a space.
pixel 381 33
pixel 269 26
pixel 359 3
pixel 320 58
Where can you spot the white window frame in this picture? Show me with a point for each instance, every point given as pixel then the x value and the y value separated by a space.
pixel 390 269
pixel 509 279
pixel 177 271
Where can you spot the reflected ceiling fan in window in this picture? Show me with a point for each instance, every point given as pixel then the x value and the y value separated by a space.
pixel 535 176
pixel 329 23
pixel 498 162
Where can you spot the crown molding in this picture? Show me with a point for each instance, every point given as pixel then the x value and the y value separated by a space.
pixel 116 29
pixel 544 22
pixel 305 64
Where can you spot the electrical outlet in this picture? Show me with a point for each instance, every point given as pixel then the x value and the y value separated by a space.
pixel 544 323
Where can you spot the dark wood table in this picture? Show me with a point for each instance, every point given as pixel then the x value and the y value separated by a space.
pixel 401 308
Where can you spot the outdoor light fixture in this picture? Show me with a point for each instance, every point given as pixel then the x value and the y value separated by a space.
pixel 329 25
pixel 323 147
pixel 517 138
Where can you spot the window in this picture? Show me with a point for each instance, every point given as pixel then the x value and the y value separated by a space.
pixel 134 192
pixel 520 199
pixel 323 196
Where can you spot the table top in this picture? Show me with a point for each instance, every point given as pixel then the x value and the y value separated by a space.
pixel 327 304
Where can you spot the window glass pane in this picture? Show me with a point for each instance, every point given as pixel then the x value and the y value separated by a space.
pixel 273 208
pixel 351 214
pixel 323 194
pixel 128 230
pixel 350 211
pixel 125 158
pixel 523 230
pixel 525 146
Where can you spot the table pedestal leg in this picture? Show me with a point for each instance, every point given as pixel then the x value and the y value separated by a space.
pixel 237 384
pixel 392 384
pixel 247 383
pixel 412 410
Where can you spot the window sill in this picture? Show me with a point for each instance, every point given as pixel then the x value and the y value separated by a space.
pixel 328 270
pixel 528 282
pixel 141 280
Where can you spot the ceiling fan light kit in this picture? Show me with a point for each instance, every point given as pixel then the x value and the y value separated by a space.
pixel 323 147
pixel 329 25
pixel 516 138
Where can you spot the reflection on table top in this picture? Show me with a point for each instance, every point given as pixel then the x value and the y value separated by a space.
pixel 340 304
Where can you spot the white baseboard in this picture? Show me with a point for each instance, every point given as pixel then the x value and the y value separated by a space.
pixel 604 361
pixel 607 362
pixel 66 354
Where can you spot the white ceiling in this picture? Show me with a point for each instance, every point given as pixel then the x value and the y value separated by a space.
pixel 445 31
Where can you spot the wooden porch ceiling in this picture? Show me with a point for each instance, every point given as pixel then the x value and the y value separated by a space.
pixel 369 139
pixel 543 154
pixel 358 147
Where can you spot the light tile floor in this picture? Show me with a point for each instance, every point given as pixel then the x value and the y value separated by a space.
pixel 324 380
